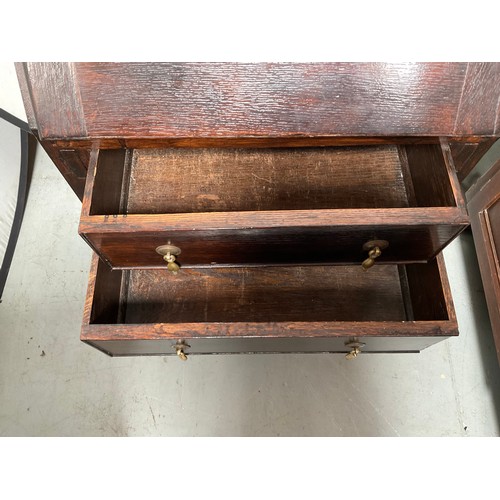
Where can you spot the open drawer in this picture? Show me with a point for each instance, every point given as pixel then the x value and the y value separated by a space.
pixel 271 206
pixel 392 308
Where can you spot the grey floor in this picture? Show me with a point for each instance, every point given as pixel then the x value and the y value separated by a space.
pixel 53 385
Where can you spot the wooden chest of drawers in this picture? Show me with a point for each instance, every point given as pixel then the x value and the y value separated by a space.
pixel 275 183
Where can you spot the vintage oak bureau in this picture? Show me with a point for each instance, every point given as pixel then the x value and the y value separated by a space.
pixel 306 204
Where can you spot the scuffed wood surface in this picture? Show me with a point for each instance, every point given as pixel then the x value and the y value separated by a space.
pixel 480 101
pixel 238 100
pixel 270 294
pixel 220 180
pixel 152 298
pixel 269 99
pixel 467 155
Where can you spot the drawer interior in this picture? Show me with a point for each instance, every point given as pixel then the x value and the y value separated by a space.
pixel 385 293
pixel 183 180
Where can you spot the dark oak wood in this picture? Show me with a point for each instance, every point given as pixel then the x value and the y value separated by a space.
pixel 55 98
pixel 439 331
pixel 72 156
pixel 484 208
pixel 252 142
pixel 89 183
pixel 287 244
pixel 266 99
pixel 223 180
pixel 220 180
pixel 272 206
pixel 481 90
pixel 264 310
pixel 466 155
pixel 107 191
pixel 24 85
pixel 265 294
pixel 431 180
pixel 451 177
pixel 107 293
pixel 428 301
pixel 72 163
pixel 158 105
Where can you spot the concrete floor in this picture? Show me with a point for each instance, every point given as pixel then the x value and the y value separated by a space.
pixel 53 385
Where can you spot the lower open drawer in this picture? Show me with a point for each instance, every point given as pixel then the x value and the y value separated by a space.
pixel 389 308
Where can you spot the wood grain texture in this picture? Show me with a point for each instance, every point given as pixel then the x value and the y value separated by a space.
pixel 72 163
pixel 222 180
pixel 407 179
pixel 269 99
pixel 451 177
pixel 55 99
pixel 86 145
pixel 445 287
pixel 25 87
pixel 277 246
pixel 89 182
pixel 427 300
pixel 273 294
pixel 284 330
pixel 182 100
pixel 239 345
pixel 152 299
pixel 283 180
pixel 75 160
pixel 106 291
pixel 109 177
pixel 89 297
pixel 274 219
pixel 467 155
pixel 248 142
pixel 481 90
pixel 263 295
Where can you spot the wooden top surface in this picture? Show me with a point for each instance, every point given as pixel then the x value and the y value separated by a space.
pixel 280 100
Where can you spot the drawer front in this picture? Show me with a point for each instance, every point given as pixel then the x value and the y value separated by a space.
pixel 263 345
pixel 392 308
pixel 245 207
pixel 273 246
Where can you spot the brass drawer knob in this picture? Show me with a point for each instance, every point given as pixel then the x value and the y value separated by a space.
pixel 374 249
pixel 179 349
pixel 180 352
pixel 355 347
pixel 169 253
